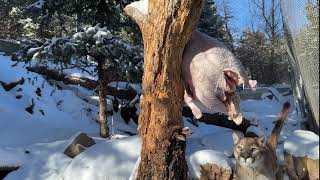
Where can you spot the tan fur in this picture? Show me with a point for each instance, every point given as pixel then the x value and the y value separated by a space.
pixel 257 160
pixel 273 139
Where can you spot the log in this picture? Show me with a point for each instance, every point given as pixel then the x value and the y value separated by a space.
pixel 220 120
pixel 129 94
pixel 90 84
pixel 166 27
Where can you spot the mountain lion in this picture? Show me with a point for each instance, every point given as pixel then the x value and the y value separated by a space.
pixel 257 159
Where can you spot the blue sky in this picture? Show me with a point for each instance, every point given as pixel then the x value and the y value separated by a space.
pixel 240 9
pixel 244 16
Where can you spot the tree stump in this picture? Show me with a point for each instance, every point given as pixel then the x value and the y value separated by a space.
pixel 166 27
pixel 215 172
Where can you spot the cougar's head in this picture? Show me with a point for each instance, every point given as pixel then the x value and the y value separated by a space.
pixel 248 151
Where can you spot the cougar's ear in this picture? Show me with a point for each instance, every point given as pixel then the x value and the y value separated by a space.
pixel 262 140
pixel 236 137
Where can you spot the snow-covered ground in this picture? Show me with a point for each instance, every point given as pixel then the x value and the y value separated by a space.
pixel 35 142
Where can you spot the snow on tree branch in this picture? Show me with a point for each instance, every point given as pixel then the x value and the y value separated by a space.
pixel 36 6
pixel 93 45
pixel 138 11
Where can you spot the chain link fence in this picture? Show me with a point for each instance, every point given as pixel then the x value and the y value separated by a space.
pixel 301 26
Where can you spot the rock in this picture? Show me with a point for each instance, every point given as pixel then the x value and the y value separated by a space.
pixel 301 167
pixel 29 109
pixel 301 155
pixel 73 150
pixel 11 85
pixel 4 171
pixel 215 172
pixel 78 144
pixel 312 167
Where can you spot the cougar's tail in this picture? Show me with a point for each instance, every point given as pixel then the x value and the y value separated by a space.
pixel 273 140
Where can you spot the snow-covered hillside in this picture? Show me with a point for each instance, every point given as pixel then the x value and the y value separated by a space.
pixel 35 141
pixel 57 113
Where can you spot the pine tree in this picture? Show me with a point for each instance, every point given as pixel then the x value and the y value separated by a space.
pixel 107 50
pixel 95 46
pixel 12 19
pixel 254 51
pixel 60 17
pixel 212 23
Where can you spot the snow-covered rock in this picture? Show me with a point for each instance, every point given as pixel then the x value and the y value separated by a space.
pixel 112 159
pixel 301 155
pixel 303 143
pixel 11 157
pixel 78 144
pixel 204 157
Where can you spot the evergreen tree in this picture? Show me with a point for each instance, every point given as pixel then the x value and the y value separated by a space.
pixel 86 33
pixel 212 23
pixel 65 17
pixel 254 51
pixel 96 46
pixel 13 22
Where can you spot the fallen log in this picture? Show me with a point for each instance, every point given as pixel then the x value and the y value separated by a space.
pixel 87 83
pixel 220 120
pixel 129 94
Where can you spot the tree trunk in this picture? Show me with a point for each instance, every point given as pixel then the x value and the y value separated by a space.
pixel 104 131
pixel 100 14
pixel 166 27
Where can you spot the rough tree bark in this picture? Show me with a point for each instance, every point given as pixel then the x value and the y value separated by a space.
pixel 104 130
pixel 166 27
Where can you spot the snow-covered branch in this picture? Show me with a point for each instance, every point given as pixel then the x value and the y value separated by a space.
pixel 138 11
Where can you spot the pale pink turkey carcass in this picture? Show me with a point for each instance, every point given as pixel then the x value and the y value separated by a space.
pixel 210 73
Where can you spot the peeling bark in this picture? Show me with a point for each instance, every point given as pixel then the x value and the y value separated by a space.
pixel 166 28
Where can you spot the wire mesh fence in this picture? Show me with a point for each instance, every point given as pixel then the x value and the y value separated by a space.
pixel 301 26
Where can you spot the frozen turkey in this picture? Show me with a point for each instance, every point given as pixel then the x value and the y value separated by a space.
pixel 210 73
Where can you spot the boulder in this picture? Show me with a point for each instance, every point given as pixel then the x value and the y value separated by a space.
pixel 301 167
pixel 78 144
pixel 4 171
pixel 301 155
